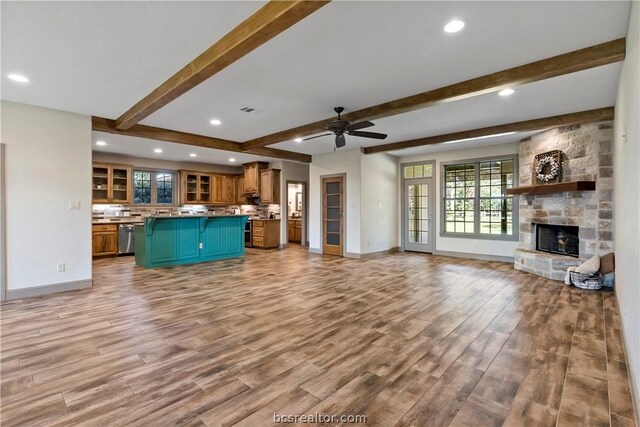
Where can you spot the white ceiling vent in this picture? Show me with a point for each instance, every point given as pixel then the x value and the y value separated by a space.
pixel 249 110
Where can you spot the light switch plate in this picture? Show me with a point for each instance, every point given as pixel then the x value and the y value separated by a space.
pixel 74 205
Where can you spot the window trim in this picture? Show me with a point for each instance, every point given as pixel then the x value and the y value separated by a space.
pixel 154 187
pixel 476 220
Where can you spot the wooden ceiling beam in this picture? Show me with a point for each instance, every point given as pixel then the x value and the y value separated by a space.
pixel 271 20
pixel 578 60
pixel 600 114
pixel 141 131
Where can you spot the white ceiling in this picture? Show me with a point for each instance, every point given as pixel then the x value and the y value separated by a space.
pixel 143 147
pixel 99 58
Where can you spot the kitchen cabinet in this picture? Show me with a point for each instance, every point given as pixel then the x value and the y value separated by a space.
pixel 252 176
pixel 111 183
pixel 266 233
pixel 294 230
pixel 166 241
pixel 270 187
pixel 196 188
pixel 217 184
pixel 240 197
pixel 104 239
pixel 229 190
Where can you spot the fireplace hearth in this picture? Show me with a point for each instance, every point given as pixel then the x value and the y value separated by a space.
pixel 557 239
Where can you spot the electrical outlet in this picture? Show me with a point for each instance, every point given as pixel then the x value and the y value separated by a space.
pixel 74 205
pixel 60 267
pixel 200 245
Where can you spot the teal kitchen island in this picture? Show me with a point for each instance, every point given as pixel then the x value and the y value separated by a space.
pixel 176 240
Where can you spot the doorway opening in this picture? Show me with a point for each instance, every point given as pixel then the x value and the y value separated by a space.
pixel 296 219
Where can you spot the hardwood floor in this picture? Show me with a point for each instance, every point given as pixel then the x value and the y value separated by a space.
pixel 404 339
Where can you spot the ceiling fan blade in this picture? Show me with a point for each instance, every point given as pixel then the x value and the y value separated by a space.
pixel 340 141
pixel 374 135
pixel 360 125
pixel 317 136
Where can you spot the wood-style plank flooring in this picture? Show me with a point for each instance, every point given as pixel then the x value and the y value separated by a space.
pixel 404 339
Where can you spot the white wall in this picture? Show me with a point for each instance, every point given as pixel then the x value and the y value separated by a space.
pixel 48 164
pixel 493 248
pixel 379 201
pixel 338 162
pixel 626 154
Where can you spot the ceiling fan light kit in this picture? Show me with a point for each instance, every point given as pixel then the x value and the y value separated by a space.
pixel 340 128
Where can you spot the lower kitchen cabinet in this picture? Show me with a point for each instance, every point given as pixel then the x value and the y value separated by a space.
pixel 266 233
pixel 167 241
pixel 104 239
pixel 294 230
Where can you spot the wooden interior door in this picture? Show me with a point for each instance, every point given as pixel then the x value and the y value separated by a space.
pixel 333 215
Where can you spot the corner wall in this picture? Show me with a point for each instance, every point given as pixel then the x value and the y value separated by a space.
pixel 48 165
pixel 626 154
pixel 380 199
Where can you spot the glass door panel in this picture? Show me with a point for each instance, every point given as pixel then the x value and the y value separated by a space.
pixel 418 226
pixel 333 215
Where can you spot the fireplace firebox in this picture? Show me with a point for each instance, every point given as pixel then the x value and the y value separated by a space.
pixel 557 239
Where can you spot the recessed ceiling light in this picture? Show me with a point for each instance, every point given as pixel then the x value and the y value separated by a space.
pixel 215 122
pixel 18 78
pixel 101 143
pixel 454 26
pixel 158 150
pixel 193 155
pixel 232 160
pixel 298 140
pixel 505 92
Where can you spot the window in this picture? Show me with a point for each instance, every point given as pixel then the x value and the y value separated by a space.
pixel 153 187
pixel 475 199
pixel 423 170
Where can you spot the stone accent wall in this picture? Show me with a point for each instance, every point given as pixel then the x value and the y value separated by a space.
pixel 588 156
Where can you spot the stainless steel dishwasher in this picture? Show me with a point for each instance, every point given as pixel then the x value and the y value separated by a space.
pixel 126 239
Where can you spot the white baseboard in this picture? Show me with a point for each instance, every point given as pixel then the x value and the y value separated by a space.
pixel 482 257
pixel 315 251
pixel 635 391
pixel 36 291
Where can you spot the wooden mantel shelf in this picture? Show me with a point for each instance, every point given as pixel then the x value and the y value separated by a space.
pixel 554 188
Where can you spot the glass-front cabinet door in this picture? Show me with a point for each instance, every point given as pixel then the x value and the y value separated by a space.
pixel 111 183
pixel 120 184
pixel 100 183
pixel 190 186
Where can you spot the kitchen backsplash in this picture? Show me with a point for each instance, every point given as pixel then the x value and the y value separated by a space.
pixel 122 213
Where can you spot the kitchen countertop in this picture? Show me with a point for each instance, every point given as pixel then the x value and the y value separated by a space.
pixel 140 219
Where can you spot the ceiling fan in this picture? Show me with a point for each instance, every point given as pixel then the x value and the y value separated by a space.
pixel 341 127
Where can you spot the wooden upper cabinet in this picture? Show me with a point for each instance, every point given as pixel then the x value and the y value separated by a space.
pixel 240 197
pixel 252 176
pixel 229 190
pixel 111 183
pixel 218 189
pixel 270 187
pixel 196 188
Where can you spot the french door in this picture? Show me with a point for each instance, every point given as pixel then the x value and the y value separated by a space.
pixel 333 215
pixel 418 214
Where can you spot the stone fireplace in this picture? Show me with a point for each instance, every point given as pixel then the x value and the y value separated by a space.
pixel 581 221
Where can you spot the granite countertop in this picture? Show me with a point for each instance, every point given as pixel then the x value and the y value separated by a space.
pixel 192 216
